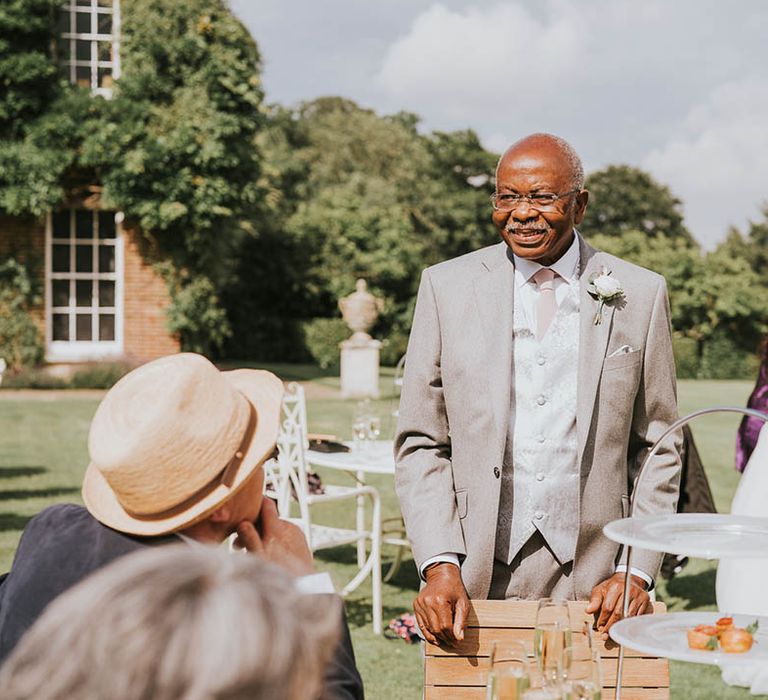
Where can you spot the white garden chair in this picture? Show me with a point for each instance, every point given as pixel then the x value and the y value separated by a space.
pixel 291 474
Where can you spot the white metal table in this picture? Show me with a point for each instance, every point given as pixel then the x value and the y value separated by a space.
pixel 373 457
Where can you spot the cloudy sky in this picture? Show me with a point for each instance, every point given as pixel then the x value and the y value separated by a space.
pixel 678 88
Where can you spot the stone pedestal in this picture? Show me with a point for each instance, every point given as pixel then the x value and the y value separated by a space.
pixel 360 368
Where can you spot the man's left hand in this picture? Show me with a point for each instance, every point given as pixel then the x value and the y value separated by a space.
pixel 607 600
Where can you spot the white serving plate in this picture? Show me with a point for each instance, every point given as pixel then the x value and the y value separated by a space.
pixel 706 535
pixel 666 635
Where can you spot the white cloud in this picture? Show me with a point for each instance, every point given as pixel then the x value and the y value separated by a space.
pixel 717 159
pixel 655 84
pixel 652 83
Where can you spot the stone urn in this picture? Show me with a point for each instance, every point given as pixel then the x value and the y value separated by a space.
pixel 360 311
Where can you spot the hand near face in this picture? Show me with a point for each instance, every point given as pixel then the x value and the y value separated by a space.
pixel 442 605
pixel 607 601
pixel 278 541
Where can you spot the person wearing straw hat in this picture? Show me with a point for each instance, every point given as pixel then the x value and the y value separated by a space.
pixel 176 449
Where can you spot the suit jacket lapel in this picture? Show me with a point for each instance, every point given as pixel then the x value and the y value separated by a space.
pixel 593 342
pixel 494 294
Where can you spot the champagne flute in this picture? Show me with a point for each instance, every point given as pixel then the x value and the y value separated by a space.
pixel 553 640
pixel 360 424
pixel 585 679
pixel 374 427
pixel 510 673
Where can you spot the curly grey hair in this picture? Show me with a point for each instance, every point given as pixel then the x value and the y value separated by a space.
pixel 177 622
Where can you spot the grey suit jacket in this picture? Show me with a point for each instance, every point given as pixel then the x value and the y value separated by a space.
pixel 455 412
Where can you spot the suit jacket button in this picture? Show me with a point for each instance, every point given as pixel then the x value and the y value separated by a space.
pixel 496 472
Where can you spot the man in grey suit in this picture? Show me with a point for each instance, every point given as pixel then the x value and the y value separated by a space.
pixel 539 374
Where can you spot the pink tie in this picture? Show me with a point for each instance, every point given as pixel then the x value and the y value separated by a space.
pixel 546 307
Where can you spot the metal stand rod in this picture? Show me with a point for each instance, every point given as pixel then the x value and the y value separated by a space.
pixel 679 423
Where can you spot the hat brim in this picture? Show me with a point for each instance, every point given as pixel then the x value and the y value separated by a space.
pixel 264 391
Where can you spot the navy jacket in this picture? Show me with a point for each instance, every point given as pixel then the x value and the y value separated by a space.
pixel 64 543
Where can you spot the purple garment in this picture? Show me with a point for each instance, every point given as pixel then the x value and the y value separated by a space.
pixel 746 438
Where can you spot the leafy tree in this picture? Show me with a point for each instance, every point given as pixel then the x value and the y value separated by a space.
pixel 26 73
pixel 354 194
pixel 623 198
pixel 20 341
pixel 175 149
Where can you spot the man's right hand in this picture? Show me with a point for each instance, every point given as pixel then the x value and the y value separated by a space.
pixel 442 605
pixel 277 540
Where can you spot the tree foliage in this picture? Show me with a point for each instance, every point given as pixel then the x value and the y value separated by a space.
pixel 26 73
pixel 175 149
pixel 623 198
pixel 354 194
pixel 20 342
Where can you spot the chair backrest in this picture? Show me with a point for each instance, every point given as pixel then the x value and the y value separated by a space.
pixel 462 672
pixel 288 475
pixel 295 409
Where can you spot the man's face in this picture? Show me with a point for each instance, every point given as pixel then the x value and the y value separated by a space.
pixel 246 503
pixel 542 235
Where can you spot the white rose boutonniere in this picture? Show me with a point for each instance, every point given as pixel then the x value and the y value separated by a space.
pixel 603 288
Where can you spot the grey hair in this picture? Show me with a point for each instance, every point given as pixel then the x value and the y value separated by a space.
pixel 574 162
pixel 177 622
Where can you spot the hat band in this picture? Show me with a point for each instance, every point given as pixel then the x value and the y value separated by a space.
pixel 225 477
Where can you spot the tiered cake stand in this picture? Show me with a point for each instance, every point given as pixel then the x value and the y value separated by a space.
pixel 710 536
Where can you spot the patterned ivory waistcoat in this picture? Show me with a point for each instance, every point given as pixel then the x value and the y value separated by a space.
pixel 540 481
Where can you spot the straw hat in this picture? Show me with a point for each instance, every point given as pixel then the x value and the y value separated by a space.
pixel 174 439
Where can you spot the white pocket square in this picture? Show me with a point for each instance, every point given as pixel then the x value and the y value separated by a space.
pixel 623 350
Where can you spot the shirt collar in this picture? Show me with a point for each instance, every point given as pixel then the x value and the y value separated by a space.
pixel 566 266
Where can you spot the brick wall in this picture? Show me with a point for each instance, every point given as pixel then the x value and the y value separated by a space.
pixel 145 300
pixel 145 293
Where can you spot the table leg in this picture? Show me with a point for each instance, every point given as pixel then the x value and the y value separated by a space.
pixel 360 520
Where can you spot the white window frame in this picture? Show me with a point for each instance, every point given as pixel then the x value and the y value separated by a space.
pixel 92 8
pixel 84 350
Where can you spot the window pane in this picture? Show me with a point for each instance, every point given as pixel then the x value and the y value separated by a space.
pixel 65 47
pixel 104 3
pixel 104 51
pixel 84 289
pixel 106 293
pixel 83 50
pixel 60 224
pixel 106 224
pixel 83 224
pixel 60 293
pixel 83 22
pixel 83 258
pixel 83 76
pixel 83 325
pixel 106 327
pixel 106 258
pixel 105 22
pixel 64 25
pixel 60 261
pixel 60 327
pixel 105 78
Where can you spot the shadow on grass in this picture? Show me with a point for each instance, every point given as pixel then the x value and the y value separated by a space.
pixel 23 494
pixel 10 472
pixel 12 521
pixel 406 577
pixel 697 589
pixel 359 612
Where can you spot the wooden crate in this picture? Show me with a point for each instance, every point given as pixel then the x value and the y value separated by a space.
pixel 460 673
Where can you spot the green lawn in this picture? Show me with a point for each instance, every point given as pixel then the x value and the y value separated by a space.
pixel 43 455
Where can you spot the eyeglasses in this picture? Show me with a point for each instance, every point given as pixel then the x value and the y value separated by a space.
pixel 541 201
